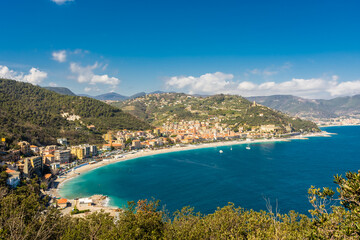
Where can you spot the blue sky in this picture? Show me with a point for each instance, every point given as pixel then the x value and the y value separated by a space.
pixel 305 48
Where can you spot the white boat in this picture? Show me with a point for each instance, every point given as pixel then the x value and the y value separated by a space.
pixel 230 149
pixel 248 148
pixel 221 151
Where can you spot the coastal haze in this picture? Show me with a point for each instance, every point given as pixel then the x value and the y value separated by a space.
pixel 179 120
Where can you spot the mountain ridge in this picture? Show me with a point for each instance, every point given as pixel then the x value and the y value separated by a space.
pixel 311 108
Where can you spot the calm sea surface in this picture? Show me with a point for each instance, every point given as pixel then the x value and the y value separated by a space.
pixel 205 179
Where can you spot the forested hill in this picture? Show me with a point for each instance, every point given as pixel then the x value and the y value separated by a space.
pixel 38 115
pixel 61 90
pixel 234 110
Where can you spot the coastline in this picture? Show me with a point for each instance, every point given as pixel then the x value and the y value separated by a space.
pixel 345 125
pixel 131 156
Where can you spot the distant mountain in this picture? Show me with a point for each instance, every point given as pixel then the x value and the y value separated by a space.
pixel 117 97
pixel 61 90
pixel 38 115
pixel 317 108
pixel 111 96
pixel 157 92
pixel 234 110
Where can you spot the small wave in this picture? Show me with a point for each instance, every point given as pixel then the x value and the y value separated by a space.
pixel 106 202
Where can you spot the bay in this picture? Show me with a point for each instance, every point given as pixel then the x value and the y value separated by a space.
pixel 206 179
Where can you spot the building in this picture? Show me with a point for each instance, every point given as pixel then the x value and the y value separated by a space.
pixel 24 147
pixel 49 158
pixel 77 152
pixel 31 166
pixel 49 149
pixel 62 202
pixel 86 149
pixel 54 166
pixel 35 149
pixel 62 141
pixel 268 128
pixel 136 144
pixel 93 150
pixel 62 156
pixel 14 178
pixel 157 131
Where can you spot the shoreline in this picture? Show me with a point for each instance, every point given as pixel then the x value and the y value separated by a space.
pixel 345 125
pixel 55 192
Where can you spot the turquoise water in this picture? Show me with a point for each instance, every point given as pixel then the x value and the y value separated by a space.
pixel 205 179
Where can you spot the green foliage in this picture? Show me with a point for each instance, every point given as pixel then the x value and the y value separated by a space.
pixel 61 90
pixel 77 211
pixel 32 113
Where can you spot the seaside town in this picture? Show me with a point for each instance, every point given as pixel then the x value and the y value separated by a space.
pixel 53 162
pixel 339 121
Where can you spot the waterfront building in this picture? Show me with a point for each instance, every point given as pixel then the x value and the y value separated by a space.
pixel 62 156
pixel 62 202
pixel 77 152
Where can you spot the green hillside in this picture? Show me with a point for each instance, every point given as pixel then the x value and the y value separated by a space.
pixel 32 113
pixel 61 90
pixel 236 111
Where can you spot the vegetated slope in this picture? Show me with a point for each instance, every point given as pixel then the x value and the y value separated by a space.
pixel 111 96
pixel 236 111
pixel 61 90
pixel 317 108
pixel 32 113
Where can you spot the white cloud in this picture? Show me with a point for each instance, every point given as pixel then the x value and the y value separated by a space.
pixel 247 86
pixel 213 83
pixel 346 88
pixel 86 75
pixel 60 2
pixel 59 56
pixel 207 83
pixel 52 84
pixel 35 76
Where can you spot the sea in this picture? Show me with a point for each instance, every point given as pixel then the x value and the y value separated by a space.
pixel 278 172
